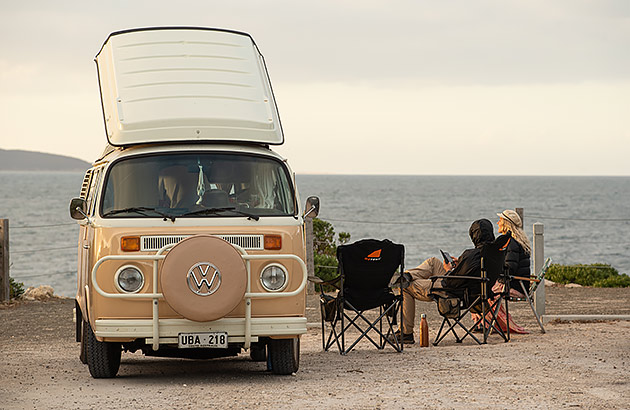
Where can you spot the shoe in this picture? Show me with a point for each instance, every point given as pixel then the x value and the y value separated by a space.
pixel 407 339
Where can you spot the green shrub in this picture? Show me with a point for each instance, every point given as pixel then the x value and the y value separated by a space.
pixel 597 275
pixel 621 281
pixel 325 266
pixel 325 249
pixel 16 288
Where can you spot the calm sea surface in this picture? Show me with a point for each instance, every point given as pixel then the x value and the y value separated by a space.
pixel 586 219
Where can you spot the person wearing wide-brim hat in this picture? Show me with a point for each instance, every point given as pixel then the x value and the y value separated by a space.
pixel 518 249
pixel 517 262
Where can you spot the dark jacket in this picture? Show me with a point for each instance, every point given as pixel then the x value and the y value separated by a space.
pixel 469 264
pixel 517 262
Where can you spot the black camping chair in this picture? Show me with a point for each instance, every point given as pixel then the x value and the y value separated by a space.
pixel 471 294
pixel 365 271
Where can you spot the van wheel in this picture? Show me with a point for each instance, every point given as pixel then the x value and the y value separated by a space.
pixel 284 355
pixel 103 358
pixel 84 338
pixel 258 352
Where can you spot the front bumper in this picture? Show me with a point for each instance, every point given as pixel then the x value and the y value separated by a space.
pixel 170 328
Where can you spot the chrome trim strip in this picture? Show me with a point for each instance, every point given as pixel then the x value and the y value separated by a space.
pixel 155 242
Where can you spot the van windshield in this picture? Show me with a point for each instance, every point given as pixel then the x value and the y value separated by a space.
pixel 197 185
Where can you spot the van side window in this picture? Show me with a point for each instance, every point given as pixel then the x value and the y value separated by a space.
pixel 85 186
pixel 92 192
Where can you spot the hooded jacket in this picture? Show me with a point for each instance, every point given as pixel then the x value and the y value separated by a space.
pixel 481 231
pixel 469 264
pixel 517 263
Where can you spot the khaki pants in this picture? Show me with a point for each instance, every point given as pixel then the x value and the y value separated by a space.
pixel 419 289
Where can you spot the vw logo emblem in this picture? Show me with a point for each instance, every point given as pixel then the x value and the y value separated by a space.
pixel 203 278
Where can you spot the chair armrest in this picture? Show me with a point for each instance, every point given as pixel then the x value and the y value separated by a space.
pixel 402 282
pixel 524 278
pixel 321 282
pixel 434 278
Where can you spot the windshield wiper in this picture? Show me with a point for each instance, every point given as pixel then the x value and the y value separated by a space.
pixel 140 210
pixel 220 210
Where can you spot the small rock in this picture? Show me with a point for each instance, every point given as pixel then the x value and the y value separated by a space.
pixel 573 285
pixel 43 292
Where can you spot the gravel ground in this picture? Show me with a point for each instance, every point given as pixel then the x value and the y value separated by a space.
pixel 572 365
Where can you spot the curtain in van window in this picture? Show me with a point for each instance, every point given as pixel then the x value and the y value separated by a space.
pixel 271 187
pixel 284 193
pixel 264 184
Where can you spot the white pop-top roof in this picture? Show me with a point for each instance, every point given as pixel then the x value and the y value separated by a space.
pixel 185 84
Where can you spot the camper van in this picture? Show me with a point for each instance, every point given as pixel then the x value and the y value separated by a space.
pixel 192 240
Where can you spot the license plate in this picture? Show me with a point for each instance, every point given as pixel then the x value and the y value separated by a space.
pixel 209 339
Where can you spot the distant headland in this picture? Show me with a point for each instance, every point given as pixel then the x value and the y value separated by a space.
pixel 18 160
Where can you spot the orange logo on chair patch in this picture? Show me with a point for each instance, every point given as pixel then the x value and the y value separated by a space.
pixel 374 256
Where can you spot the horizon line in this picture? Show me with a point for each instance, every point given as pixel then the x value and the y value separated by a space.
pixel 381 175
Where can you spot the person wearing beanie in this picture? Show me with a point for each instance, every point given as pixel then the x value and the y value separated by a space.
pixel 468 264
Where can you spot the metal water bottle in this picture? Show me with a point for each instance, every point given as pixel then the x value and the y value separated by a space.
pixel 424 331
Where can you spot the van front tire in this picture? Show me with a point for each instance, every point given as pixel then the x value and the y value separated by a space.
pixel 284 355
pixel 103 358
pixel 258 352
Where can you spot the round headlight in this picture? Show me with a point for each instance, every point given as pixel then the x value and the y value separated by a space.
pixel 274 277
pixel 129 279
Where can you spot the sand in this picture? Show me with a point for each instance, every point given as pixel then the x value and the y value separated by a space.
pixel 572 365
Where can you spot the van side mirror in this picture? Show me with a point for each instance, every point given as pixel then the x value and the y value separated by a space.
pixel 312 207
pixel 78 208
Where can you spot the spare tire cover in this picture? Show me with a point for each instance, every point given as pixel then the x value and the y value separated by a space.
pixel 203 278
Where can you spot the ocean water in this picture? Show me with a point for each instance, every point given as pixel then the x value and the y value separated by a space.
pixel 42 237
pixel 586 219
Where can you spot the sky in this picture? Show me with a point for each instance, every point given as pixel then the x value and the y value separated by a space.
pixel 514 87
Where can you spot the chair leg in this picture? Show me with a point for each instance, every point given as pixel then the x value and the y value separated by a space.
pixel 531 305
pixel 451 328
pixel 364 333
pixel 486 329
pixel 467 332
pixel 398 346
pixel 321 315
pixel 343 332
pixel 493 324
pixel 380 328
pixel 333 336
pixel 371 326
pixel 507 316
pixel 457 322
pixel 438 339
pixel 461 317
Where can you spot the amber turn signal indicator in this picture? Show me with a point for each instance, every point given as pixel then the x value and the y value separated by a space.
pixel 273 242
pixel 130 243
